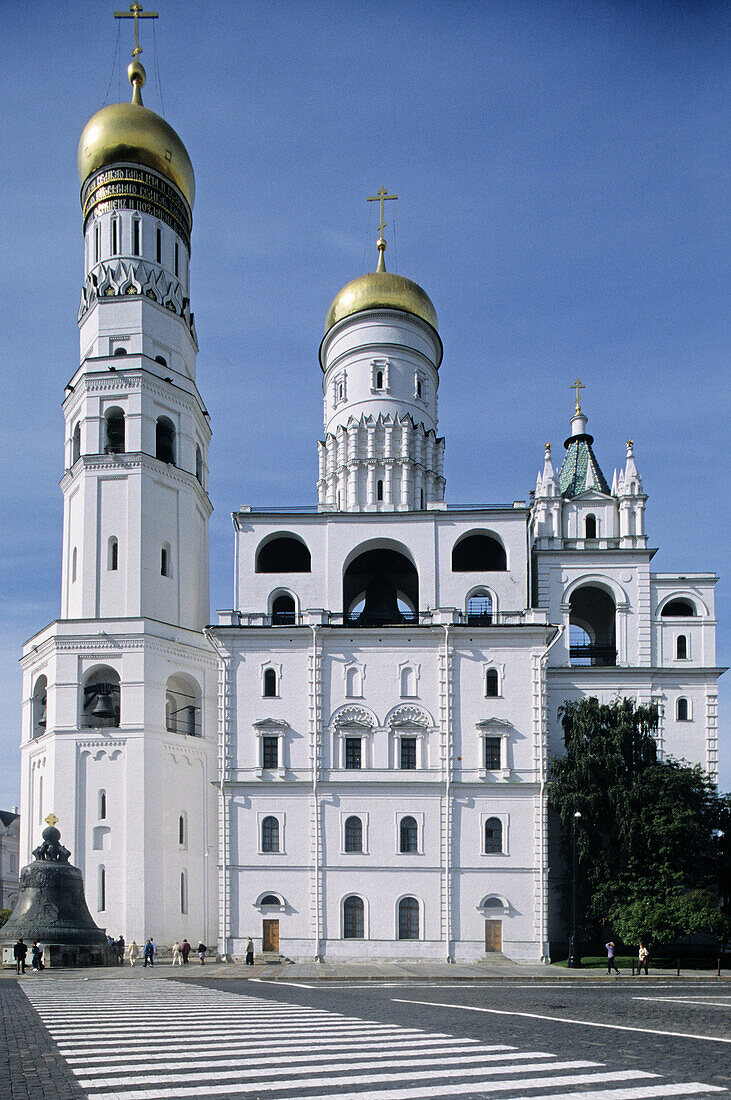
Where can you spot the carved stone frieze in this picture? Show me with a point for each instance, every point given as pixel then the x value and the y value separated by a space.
pixel 116 279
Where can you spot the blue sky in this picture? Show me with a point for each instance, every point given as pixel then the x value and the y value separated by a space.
pixel 562 173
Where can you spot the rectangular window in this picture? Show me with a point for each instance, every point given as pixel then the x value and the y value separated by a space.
pixel 158 245
pixel 492 753
pixel 96 244
pixel 353 753
pixel 177 259
pixel 270 752
pixel 408 753
pixel 136 236
pixel 115 236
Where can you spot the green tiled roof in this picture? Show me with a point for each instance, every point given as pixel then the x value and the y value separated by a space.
pixel 578 462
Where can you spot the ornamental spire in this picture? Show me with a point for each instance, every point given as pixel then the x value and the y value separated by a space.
pixel 381 196
pixel 136 70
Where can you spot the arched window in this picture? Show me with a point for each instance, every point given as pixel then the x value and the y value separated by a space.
pixel 161 360
pixel 408 919
pixel 353 922
pixel 283 610
pixel 102 700
pixel 183 892
pixel 479 553
pixel 283 554
pixel 379 379
pixel 270 834
pixel 199 464
pixel 102 805
pixel 112 555
pixel 682 712
pixel 353 835
pixel 408 682
pixel 681 647
pixel 76 444
pixel 271 899
pixel 493 836
pixel 183 706
pixel 182 831
pixel 678 609
pixel 590 527
pixel 101 899
pixel 270 683
pixel 165 561
pixel 353 682
pixel 479 609
pixel 136 234
pixel 40 694
pixel 408 835
pixel 114 442
pixel 120 351
pixel 379 490
pixel 74 564
pixel 592 633
pixel 492 683
pixel 165 440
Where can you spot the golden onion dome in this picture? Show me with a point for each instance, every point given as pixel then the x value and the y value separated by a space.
pixel 381 289
pixel 131 132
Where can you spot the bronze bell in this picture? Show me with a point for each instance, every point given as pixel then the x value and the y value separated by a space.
pixel 103 706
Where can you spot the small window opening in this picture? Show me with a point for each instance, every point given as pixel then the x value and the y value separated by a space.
pixel 120 351
pixel 199 464
pixel 114 442
pixel 491 683
pixel 102 890
pixel 136 236
pixel 270 835
pixel 165 440
pixel 270 683
pixel 283 610
pixel 493 836
pixel 353 835
pixel 353 683
pixel 418 387
pixel 182 837
pixel 40 696
pixel 165 561
pixel 479 609
pixel 115 237
pixel 270 899
pixel 161 360
pixel 177 259
pixel 408 835
pixel 681 647
pixel 183 892
pixel 678 608
pixel 408 682
pixel 379 490
pixel 421 498
pixel 102 805
pixel 97 244
pixel 353 753
pixel 158 245
pixel 408 753
pixel 379 379
pixel 681 710
pixel 76 444
pixel 493 747
pixel 590 527
pixel 74 561
pixel 270 752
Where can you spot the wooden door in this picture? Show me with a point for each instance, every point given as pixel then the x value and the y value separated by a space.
pixel 493 935
pixel 270 936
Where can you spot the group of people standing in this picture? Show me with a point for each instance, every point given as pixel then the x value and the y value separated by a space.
pixel 20 954
pixel 181 953
pixel 643 959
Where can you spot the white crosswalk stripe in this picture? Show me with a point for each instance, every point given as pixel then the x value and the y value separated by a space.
pixel 167 1041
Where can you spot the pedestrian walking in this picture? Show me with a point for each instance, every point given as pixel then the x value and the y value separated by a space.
pixel 644 958
pixel 132 953
pixel 20 951
pixel 202 953
pixel 119 948
pixel 149 954
pixel 36 956
pixel 177 960
pixel 249 952
pixel 611 965
pixel 185 951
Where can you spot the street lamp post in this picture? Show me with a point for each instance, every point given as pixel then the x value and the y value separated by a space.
pixel 574 945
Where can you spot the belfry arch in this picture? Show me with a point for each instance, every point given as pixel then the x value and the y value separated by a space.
pixel 380 588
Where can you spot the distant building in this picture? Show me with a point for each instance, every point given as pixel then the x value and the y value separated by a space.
pixel 353 761
pixel 9 855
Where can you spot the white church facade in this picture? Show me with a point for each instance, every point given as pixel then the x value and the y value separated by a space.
pixel 353 761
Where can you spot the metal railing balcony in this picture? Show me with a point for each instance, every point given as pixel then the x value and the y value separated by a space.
pixel 596 656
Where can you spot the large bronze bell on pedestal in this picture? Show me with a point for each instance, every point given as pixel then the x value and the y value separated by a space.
pixel 51 908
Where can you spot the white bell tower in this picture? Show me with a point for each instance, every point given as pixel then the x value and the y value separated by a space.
pixel 120 693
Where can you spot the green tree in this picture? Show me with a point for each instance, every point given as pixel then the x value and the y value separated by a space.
pixel 647 837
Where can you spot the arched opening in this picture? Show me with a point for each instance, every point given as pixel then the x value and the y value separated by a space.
pixel 682 710
pixel 114 441
pixel 270 683
pixel 681 647
pixel 38 717
pixel 677 609
pixel 283 610
pixel 379 379
pixel 119 351
pixel 408 682
pixel 76 444
pixel 353 835
pixel 283 554
pixel 592 638
pixel 102 805
pixel 353 682
pixel 479 553
pixel 182 831
pixel 270 834
pixel 199 464
pixel 101 898
pixel 493 836
pixel 183 706
pixel 408 835
pixel 161 360
pixel 408 919
pixel 166 562
pixel 183 892
pixel 271 899
pixel 492 683
pixel 112 554
pixel 102 699
pixel 353 918
pixel 165 440
pixel 479 609
pixel 379 490
pixel 380 588
pixel 590 527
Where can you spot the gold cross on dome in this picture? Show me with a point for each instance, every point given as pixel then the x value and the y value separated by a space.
pixel 136 12
pixel 381 196
pixel 577 385
pixel 51 819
